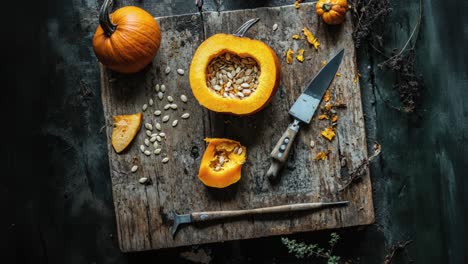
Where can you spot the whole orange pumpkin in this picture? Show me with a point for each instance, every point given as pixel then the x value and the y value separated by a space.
pixel 333 12
pixel 128 40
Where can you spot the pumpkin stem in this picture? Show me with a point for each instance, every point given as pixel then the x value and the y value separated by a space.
pixel 245 27
pixel 104 18
pixel 327 7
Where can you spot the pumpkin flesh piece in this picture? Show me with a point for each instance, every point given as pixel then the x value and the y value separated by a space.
pixel 219 44
pixel 125 130
pixel 219 176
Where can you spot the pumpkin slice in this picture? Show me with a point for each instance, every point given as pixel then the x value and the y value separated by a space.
pixel 232 74
pixel 222 162
pixel 125 130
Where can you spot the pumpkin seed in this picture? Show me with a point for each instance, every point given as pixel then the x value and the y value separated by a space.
pixel 217 87
pixel 185 115
pixel 167 70
pixel 155 144
pixel 157 151
pixel 160 95
pixel 147 152
pixel 158 126
pixel 143 180
pixel 174 123
pixel 149 126
pixel 180 71
pixel 152 139
pixel 312 144
pixel 163 88
pixel 148 133
pixel 147 142
pixel 142 148
pixel 144 107
pixel 239 151
pixel 246 92
pixel 162 134
pixel 239 94
pixel 183 98
pixel 165 160
pixel 170 99
pixel 156 88
pixel 167 106
pixel 157 112
pixel 275 27
pixel 158 138
pixel 165 118
pixel 173 106
pixel 245 85
pixel 134 168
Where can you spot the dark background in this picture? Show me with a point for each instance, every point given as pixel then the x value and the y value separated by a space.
pixel 55 191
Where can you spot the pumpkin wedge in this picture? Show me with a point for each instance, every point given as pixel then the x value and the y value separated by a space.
pixel 222 162
pixel 125 130
pixel 234 74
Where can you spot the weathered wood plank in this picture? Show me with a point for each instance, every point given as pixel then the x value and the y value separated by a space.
pixel 143 211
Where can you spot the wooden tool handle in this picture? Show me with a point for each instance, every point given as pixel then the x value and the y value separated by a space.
pixel 213 215
pixel 281 151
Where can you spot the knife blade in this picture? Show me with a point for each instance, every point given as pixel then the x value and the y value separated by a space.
pixel 302 111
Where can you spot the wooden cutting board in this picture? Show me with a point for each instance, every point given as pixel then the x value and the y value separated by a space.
pixel 143 212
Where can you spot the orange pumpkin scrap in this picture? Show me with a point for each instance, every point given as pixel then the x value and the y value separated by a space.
pixel 125 130
pixel 128 40
pixel 300 55
pixel 234 95
pixel 333 12
pixel 328 133
pixel 222 162
pixel 311 38
pixel 289 56
pixel 321 155
pixel 323 117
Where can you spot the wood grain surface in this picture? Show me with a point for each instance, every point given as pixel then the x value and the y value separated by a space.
pixel 143 212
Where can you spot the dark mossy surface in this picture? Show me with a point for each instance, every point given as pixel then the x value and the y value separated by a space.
pixel 55 194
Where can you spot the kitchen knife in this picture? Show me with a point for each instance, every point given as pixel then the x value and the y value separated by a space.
pixel 302 111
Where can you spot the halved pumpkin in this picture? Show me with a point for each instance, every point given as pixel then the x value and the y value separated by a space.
pixel 222 162
pixel 125 130
pixel 241 99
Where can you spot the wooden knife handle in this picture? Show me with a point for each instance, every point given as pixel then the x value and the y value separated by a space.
pixel 281 151
pixel 214 215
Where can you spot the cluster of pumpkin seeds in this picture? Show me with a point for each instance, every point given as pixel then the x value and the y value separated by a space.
pixel 222 157
pixel 162 112
pixel 232 76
